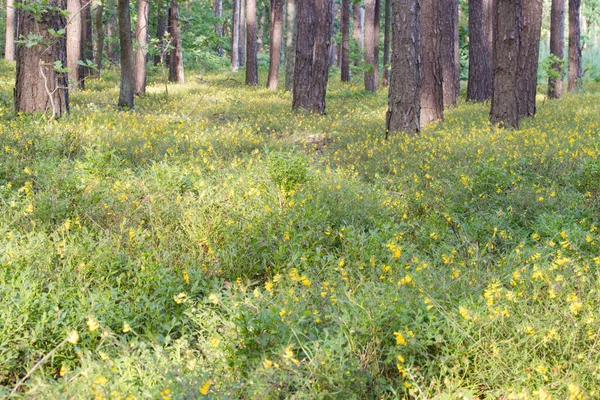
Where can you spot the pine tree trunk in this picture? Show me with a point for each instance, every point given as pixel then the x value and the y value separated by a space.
pixel 357 32
pixel 176 73
pixel 141 37
pixel 38 87
pixel 377 33
pixel 479 86
pixel 575 70
pixel 304 54
pixel 432 90
pixel 242 49
pixel 161 29
pixel 219 25
pixel 127 64
pixel 369 56
pixel 333 46
pixel 275 35
pixel 507 32
pixel 251 59
pixel 290 44
pixel 529 55
pixel 386 42
pixel 9 47
pixel 98 12
pixel 449 56
pixel 87 46
pixel 74 33
pixel 557 45
pixel 235 36
pixel 345 50
pixel 404 97
pixel 323 14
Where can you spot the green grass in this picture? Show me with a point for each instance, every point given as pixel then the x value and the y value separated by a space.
pixel 214 243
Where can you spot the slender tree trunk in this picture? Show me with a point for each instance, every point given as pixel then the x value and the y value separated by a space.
pixel 377 33
pixel 74 34
pixel 98 12
pixel 575 70
pixel 275 35
pixel 9 47
pixel 345 50
pixel 507 32
pixel 480 73
pixel 251 60
pixel 357 33
pixel 235 36
pixel 369 55
pixel 141 37
pixel 290 44
pixel 404 97
pixel 242 56
pixel 261 30
pixel 38 86
pixel 557 45
pixel 528 56
pixel 304 54
pixel 432 90
pixel 176 73
pixel 127 64
pixel 333 46
pixel 323 13
pixel 386 42
pixel 219 25
pixel 87 45
pixel 161 29
pixel 450 64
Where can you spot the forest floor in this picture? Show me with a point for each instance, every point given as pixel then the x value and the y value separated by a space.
pixel 213 243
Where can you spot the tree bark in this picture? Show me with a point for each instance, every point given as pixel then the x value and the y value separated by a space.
pixel 126 92
pixel 377 34
pixel 161 29
pixel 9 47
pixel 479 86
pixel 74 34
pixel 386 42
pixel 290 44
pixel 242 45
pixel 38 86
pixel 557 44
pixel 333 46
pixel 404 97
pixel 345 50
pixel 251 60
pixel 275 35
pixel 507 32
pixel 141 37
pixel 219 25
pixel 432 90
pixel 357 32
pixel 304 54
pixel 323 14
pixel 528 56
pixel 176 73
pixel 87 45
pixel 575 70
pixel 369 54
pixel 98 12
pixel 449 55
pixel 235 36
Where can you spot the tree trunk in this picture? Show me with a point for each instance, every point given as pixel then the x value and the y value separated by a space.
pixel 38 86
pixel 176 73
pixel 357 33
pixel 304 54
pixel 242 49
pixel 251 60
pixel 386 42
pixel 161 29
pixel 404 97
pixel 479 86
pixel 87 45
pixel 9 47
pixel 432 90
pixel 235 36
pixel 323 13
pixel 528 56
pixel 507 32
pixel 98 11
pixel 345 50
pixel 575 70
pixel 141 37
pixel 557 45
pixel 369 55
pixel 290 44
pixel 219 25
pixel 449 56
pixel 74 34
pixel 333 46
pixel 377 33
pixel 275 37
pixel 127 64
pixel 261 30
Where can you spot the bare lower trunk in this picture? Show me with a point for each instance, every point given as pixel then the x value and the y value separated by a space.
pixel 219 25
pixel 449 56
pixel 432 90
pixel 369 55
pixel 386 42
pixel 161 29
pixel 176 73
pixel 87 45
pixel 507 32
pixel 575 71
pixel 557 44
pixel 98 11
pixel 345 50
pixel 480 73
pixel 357 33
pixel 9 47
pixel 304 54
pixel 290 44
pixel 141 37
pixel 74 29
pixel 127 64
pixel 404 97
pixel 377 33
pixel 333 46
pixel 275 35
pixel 235 36
pixel 528 56
pixel 323 13
pixel 38 86
pixel 251 60
pixel 242 49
